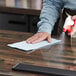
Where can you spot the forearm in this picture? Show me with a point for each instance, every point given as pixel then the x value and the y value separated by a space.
pixel 49 14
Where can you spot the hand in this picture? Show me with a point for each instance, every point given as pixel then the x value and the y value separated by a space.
pixel 39 37
pixel 74 28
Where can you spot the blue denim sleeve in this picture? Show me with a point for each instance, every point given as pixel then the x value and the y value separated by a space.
pixel 49 14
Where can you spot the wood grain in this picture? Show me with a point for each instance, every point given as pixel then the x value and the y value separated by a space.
pixel 61 56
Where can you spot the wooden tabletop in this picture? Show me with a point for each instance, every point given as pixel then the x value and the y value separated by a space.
pixel 9 57
pixel 32 7
pixel 60 56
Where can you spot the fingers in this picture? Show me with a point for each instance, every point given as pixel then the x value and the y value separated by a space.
pixel 31 39
pixel 73 31
pixel 39 37
pixel 38 40
pixel 74 17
